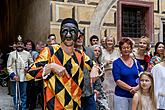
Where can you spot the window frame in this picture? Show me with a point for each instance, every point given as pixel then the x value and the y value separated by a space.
pixel 149 17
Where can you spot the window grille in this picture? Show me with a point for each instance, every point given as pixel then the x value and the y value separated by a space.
pixel 133 22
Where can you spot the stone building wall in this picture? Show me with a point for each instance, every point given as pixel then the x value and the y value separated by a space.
pixel 98 16
pixel 33 19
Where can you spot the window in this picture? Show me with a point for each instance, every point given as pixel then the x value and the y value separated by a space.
pixel 135 19
pixel 133 22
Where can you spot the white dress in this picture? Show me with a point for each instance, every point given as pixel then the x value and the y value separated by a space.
pixel 146 103
pixel 158 72
pixel 109 83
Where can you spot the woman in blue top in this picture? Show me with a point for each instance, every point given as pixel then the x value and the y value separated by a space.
pixel 125 72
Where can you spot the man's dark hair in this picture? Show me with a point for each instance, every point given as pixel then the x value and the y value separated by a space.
pixel 94 37
pixel 81 32
pixel 69 20
pixel 51 35
pixel 33 45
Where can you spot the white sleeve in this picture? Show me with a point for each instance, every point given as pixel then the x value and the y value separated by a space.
pixel 156 76
pixel 10 63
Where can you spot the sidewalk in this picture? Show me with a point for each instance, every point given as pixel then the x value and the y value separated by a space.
pixel 6 102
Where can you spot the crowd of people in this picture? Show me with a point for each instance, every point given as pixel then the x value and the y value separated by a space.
pixel 102 76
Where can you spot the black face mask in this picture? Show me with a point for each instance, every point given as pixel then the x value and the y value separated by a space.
pixel 69 31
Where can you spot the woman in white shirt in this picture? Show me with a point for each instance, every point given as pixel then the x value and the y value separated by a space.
pixel 158 72
pixel 108 56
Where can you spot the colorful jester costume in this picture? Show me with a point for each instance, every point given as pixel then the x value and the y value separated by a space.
pixel 62 93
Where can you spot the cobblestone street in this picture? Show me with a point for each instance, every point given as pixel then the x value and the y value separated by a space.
pixel 6 102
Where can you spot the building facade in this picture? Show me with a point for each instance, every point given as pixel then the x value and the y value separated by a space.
pixel 119 18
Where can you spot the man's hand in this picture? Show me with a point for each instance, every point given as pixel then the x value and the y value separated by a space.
pixel 47 69
pixel 97 93
pixel 57 69
pixel 16 78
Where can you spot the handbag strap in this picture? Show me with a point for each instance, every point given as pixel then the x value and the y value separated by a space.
pixel 135 60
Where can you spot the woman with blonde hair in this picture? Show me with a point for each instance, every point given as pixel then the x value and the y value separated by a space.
pixel 109 55
pixel 144 99
pixel 141 54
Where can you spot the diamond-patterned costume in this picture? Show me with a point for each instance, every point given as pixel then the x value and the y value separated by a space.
pixel 62 93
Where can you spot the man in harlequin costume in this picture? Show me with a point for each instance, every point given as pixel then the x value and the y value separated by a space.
pixel 61 67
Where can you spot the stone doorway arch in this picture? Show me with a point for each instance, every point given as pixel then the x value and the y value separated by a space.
pixel 98 16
